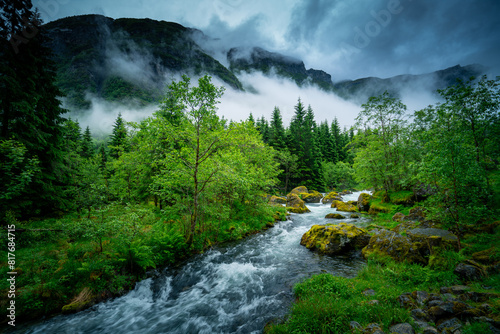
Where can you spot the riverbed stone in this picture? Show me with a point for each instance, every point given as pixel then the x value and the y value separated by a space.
pixel 332 239
pixel 330 197
pixel 296 205
pixel 344 206
pixel 364 202
pixel 334 216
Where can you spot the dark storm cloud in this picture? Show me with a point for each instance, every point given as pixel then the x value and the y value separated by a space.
pixel 390 37
pixel 346 38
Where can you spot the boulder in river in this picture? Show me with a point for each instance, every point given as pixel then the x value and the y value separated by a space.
pixel 364 202
pixel 330 197
pixel 334 239
pixel 334 216
pixel 308 196
pixel 344 206
pixel 295 204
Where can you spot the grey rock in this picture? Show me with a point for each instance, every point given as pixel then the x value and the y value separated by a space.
pixel 403 328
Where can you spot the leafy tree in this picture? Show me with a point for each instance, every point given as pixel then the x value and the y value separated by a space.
pixel 377 162
pixel 338 175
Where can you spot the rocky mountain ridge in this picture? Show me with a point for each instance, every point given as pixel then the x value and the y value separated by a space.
pixel 133 59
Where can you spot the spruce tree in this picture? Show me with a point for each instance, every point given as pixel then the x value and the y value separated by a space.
pixel 277 131
pixel 118 142
pixel 87 145
pixel 30 111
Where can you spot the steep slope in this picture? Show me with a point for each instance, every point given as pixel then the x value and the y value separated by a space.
pixel 258 59
pixel 125 58
pixel 361 89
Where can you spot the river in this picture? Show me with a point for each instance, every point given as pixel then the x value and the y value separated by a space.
pixel 233 289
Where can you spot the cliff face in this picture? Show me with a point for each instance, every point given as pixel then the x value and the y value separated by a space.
pixel 124 58
pixel 258 59
pixel 133 59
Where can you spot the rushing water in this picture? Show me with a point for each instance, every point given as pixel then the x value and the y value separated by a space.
pixel 235 289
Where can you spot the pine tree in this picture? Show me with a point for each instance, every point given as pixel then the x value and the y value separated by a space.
pixel 277 131
pixel 118 142
pixel 30 110
pixel 87 145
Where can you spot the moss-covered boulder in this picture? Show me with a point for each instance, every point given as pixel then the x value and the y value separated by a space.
pixel 394 245
pixel 404 226
pixel 298 190
pixel 330 197
pixel 364 202
pixel 334 216
pixel 312 196
pixel 344 206
pixel 277 200
pixel 433 238
pixel 334 239
pixel 416 214
pixel 295 204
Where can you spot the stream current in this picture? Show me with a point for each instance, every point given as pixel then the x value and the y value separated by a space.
pixel 233 289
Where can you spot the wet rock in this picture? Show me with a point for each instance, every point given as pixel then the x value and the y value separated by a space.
pixel 355 215
pixel 447 309
pixel 334 239
pixel 334 216
pixel 435 303
pixel 344 206
pixel 312 196
pixel 403 328
pixel 330 197
pixel 298 190
pixel 470 271
pixel 364 202
pixel 345 192
pixel 296 205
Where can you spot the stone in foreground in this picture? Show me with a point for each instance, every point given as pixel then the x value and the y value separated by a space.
pixel 335 239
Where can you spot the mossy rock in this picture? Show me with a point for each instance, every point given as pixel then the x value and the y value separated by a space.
pixel 298 190
pixel 298 210
pixel 377 208
pixel 364 202
pixel 334 216
pixel 343 206
pixel 487 256
pixel 394 245
pixel 312 196
pixel 335 239
pixel 434 238
pixel 295 204
pixel 330 197
pixel 277 200
pixel 355 216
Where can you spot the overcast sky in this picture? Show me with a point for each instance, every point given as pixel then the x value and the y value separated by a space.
pixel 347 38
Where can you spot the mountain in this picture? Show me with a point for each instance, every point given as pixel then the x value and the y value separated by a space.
pixel 133 59
pixel 258 59
pixel 361 89
pixel 123 58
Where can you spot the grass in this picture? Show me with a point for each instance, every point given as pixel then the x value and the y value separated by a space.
pixel 74 261
pixel 326 304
